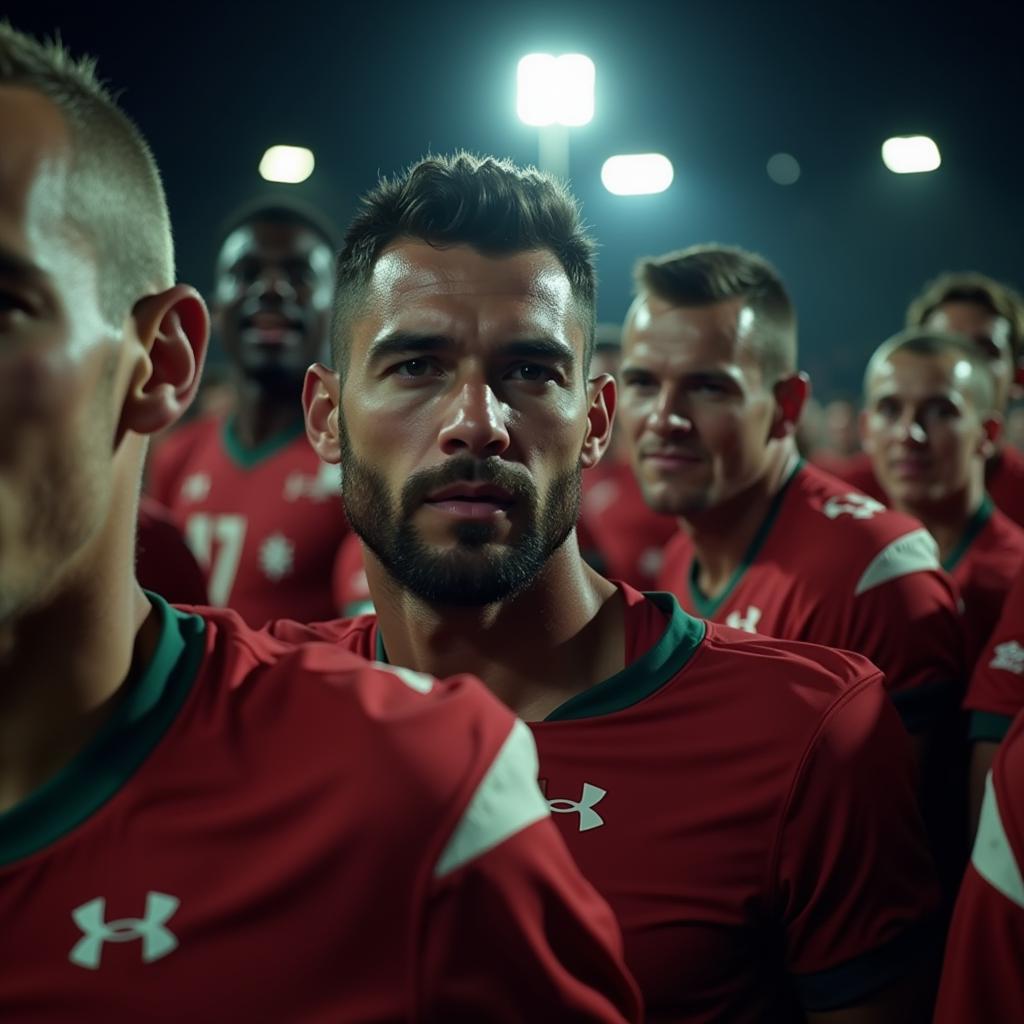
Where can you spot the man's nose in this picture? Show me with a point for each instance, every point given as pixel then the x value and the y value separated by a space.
pixel 475 423
pixel 667 417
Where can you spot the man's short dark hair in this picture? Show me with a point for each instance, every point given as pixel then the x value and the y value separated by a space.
pixel 968 286
pixel 489 204
pixel 280 210
pixel 115 198
pixel 706 274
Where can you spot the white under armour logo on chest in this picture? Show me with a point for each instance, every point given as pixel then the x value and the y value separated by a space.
pixel 157 939
pixel 590 797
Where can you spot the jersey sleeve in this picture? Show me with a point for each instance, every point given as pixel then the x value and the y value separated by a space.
pixel 996 691
pixel 904 615
pixel 852 872
pixel 513 932
pixel 983 972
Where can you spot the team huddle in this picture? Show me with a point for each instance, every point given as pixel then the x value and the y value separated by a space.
pixel 468 663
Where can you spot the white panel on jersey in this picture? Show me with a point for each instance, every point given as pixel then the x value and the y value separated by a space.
pixel 418 681
pixel 993 857
pixel 913 552
pixel 507 800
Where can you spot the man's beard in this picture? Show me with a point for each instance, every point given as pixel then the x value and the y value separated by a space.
pixel 467 575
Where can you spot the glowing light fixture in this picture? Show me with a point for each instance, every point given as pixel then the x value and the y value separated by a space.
pixel 555 90
pixel 911 154
pixel 288 164
pixel 783 169
pixel 637 174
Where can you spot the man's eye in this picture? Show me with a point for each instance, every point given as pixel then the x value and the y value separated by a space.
pixel 637 381
pixel 11 303
pixel 533 372
pixel 414 368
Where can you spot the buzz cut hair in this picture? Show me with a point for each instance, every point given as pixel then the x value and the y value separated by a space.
pixel 703 275
pixel 924 341
pixel 279 210
pixel 115 199
pixel 968 286
pixel 490 204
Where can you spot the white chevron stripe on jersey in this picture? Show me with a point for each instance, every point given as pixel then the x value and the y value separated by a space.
pixel 507 800
pixel 993 857
pixel 913 552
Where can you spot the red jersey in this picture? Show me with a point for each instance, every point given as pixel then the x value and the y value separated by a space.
pixel 983 974
pixel 1004 480
pixel 163 561
pixel 266 523
pixel 761 846
pixel 996 693
pixel 984 565
pixel 267 833
pixel 837 568
pixel 618 532
pixel 351 588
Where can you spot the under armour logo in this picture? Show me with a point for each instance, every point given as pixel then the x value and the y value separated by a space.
pixel 584 807
pixel 859 506
pixel 747 622
pixel 1009 656
pixel 157 941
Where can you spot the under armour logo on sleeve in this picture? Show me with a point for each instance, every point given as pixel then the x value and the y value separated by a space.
pixel 157 939
pixel 747 621
pixel 584 807
pixel 859 506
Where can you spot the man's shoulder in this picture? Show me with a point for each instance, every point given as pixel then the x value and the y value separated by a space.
pixel 865 540
pixel 323 701
pixel 357 634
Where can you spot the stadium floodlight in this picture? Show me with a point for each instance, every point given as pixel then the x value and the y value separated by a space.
pixel 287 164
pixel 637 174
pixel 555 90
pixel 911 154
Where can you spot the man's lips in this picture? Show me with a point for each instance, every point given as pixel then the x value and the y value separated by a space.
pixel 471 501
pixel 670 458
pixel 270 328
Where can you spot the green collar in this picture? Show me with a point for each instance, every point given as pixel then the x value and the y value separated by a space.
pixel 146 707
pixel 707 606
pixel 975 525
pixel 683 635
pixel 249 457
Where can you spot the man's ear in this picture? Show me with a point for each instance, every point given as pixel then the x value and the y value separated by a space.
pixel 790 395
pixel 603 397
pixel 992 426
pixel 321 399
pixel 172 329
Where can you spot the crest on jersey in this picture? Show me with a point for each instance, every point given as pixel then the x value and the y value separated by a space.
pixel 277 556
pixel 590 797
pixel 857 506
pixel 326 484
pixel 195 487
pixel 157 939
pixel 1009 657
pixel 747 621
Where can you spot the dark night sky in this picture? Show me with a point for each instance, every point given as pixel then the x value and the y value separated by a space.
pixel 718 87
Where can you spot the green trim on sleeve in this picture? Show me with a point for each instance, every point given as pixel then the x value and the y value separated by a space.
pixel 683 635
pixel 247 458
pixel 987 727
pixel 707 606
pixel 975 525
pixel 147 705
pixel 857 980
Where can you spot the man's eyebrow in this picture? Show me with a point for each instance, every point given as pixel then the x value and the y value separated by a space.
pixel 12 265
pixel 540 348
pixel 403 343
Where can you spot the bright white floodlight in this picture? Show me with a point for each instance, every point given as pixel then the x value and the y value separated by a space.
pixel 637 174
pixel 910 154
pixel 555 90
pixel 288 164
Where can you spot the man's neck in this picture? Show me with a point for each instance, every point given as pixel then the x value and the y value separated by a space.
pixel 261 415
pixel 722 534
pixel 948 519
pixel 555 639
pixel 63 663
